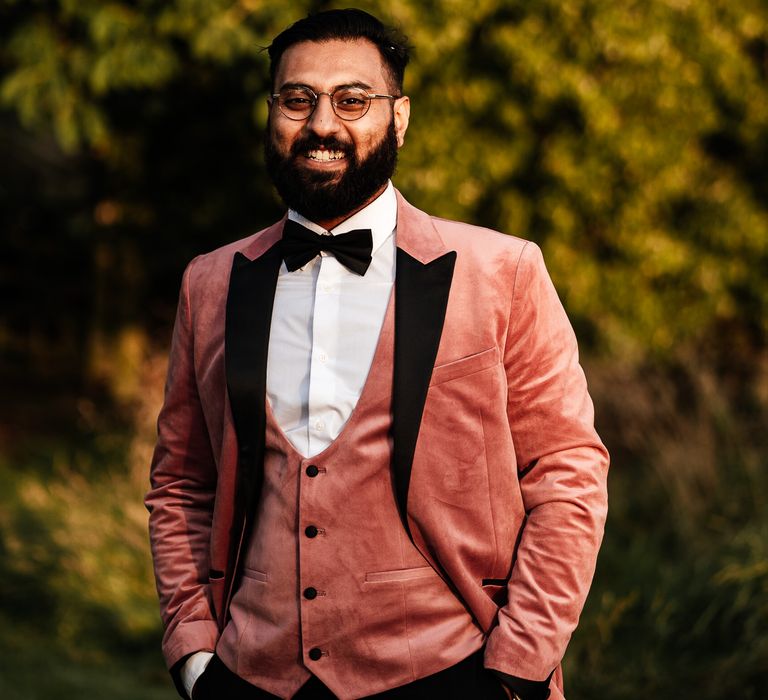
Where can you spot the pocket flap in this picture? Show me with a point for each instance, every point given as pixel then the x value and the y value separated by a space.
pixel 400 574
pixel 464 366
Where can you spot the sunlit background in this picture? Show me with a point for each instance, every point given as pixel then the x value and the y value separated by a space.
pixel 628 139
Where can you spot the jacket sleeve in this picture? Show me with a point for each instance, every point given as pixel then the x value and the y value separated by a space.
pixel 180 500
pixel 562 467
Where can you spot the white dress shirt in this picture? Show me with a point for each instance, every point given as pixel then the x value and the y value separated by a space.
pixel 326 322
pixel 325 327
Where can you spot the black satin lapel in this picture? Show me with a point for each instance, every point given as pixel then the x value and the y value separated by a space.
pixel 421 300
pixel 246 341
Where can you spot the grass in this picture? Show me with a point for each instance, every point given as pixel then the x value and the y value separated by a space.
pixel 675 617
pixel 679 606
pixel 78 617
pixel 678 609
pixel 36 669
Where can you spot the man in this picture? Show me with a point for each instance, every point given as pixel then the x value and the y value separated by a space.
pixel 376 472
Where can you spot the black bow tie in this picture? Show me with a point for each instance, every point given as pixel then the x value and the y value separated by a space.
pixel 352 249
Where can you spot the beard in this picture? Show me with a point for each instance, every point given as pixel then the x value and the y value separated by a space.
pixel 325 196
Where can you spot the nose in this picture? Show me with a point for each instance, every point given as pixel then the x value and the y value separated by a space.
pixel 323 120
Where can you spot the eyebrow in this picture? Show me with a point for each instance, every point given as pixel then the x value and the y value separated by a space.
pixel 355 84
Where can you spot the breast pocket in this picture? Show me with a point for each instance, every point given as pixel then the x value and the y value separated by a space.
pixel 418 572
pixel 464 366
pixel 452 438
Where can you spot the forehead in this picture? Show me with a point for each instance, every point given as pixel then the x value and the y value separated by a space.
pixel 324 65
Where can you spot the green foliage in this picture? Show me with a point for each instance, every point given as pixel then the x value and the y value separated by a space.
pixel 628 139
pixel 679 607
pixel 672 611
pixel 34 670
pixel 79 617
pixel 624 138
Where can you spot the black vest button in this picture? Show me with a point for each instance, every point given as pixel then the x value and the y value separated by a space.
pixel 312 470
pixel 310 593
pixel 315 654
pixel 311 531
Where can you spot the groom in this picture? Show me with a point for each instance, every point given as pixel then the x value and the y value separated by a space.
pixel 376 473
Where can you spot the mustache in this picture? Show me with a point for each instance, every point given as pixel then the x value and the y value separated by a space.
pixel 309 143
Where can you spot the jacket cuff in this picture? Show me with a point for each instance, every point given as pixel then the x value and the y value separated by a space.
pixel 525 689
pixel 175 671
pixel 186 639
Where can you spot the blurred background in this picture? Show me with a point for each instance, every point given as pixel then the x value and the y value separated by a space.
pixel 628 139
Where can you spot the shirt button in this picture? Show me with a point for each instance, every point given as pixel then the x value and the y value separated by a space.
pixel 312 470
pixel 315 653
pixel 322 357
pixel 311 531
pixel 319 425
pixel 310 593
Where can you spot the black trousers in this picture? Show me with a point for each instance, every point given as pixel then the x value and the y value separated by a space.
pixel 466 680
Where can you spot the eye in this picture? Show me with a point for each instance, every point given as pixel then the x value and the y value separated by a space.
pixel 350 101
pixel 296 99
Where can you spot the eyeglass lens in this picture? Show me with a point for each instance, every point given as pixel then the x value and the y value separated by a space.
pixel 348 103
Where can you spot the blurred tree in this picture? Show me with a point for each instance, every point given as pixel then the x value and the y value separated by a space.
pixel 627 140
pixel 145 153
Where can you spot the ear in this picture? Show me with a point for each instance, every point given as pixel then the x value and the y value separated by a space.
pixel 402 114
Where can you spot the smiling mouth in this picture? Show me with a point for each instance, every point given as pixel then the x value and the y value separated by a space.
pixel 324 156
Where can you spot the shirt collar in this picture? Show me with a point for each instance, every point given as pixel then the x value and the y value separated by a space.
pixel 380 216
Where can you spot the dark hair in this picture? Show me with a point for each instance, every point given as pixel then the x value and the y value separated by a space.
pixel 349 24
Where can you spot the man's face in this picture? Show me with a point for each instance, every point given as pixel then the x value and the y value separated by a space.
pixel 324 167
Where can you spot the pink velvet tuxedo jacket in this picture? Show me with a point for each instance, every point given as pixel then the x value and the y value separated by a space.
pixel 497 471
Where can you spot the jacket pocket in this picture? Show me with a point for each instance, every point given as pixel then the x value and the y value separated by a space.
pixel 255 574
pixel 401 574
pixel 216 591
pixel 496 590
pixel 464 366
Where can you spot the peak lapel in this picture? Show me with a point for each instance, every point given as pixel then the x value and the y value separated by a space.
pixel 424 271
pixel 249 315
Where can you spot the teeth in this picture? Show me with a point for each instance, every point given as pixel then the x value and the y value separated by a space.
pixel 325 155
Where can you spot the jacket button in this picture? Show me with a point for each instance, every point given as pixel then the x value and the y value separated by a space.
pixel 315 654
pixel 312 470
pixel 311 531
pixel 310 593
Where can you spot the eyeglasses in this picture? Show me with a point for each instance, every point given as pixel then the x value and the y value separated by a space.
pixel 349 103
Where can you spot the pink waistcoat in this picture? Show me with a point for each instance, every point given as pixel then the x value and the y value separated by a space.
pixel 331 584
